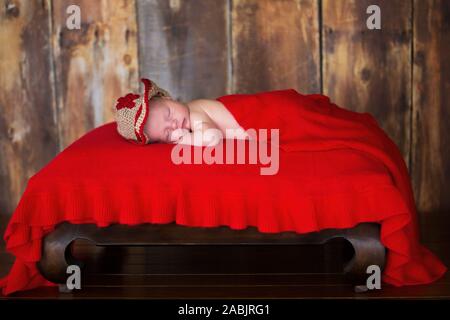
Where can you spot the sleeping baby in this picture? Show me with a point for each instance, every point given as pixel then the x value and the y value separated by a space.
pixel 156 117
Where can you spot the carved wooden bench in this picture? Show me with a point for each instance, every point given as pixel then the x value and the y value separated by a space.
pixel 364 238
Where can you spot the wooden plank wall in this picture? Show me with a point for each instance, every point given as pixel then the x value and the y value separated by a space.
pixel 94 65
pixel 28 127
pixel 275 45
pixel 64 82
pixel 370 70
pixel 431 115
pixel 184 46
pixel 56 84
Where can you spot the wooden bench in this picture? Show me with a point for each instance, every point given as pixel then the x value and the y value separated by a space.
pixel 364 238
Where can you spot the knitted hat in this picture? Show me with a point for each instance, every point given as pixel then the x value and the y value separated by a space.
pixel 131 112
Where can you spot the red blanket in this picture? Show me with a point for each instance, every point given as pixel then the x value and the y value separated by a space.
pixel 336 169
pixel 311 123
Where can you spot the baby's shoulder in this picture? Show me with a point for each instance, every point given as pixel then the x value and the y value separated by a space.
pixel 204 104
pixel 216 111
pixel 207 108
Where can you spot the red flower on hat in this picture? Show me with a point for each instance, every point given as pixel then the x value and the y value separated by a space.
pixel 126 101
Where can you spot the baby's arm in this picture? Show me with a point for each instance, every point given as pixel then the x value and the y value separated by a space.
pixel 204 131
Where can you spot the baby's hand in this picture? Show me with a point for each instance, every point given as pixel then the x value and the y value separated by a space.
pixel 208 138
pixel 178 134
pixel 212 137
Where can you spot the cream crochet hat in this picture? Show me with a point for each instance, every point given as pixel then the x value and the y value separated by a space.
pixel 131 112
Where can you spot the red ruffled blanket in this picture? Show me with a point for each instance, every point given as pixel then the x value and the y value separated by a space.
pixel 311 123
pixel 337 168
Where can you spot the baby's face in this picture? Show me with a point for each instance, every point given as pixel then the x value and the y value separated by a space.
pixel 165 116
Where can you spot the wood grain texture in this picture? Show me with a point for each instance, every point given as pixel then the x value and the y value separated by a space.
pixel 370 70
pixel 28 135
pixel 94 65
pixel 275 45
pixel 431 110
pixel 183 46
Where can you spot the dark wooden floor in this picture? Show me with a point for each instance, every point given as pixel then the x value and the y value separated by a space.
pixel 192 272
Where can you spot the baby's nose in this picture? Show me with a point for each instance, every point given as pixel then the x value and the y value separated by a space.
pixel 174 124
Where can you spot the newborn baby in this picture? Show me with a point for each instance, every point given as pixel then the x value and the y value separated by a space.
pixel 156 117
pixel 201 122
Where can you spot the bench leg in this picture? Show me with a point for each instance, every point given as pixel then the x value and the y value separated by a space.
pixel 365 239
pixel 56 256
